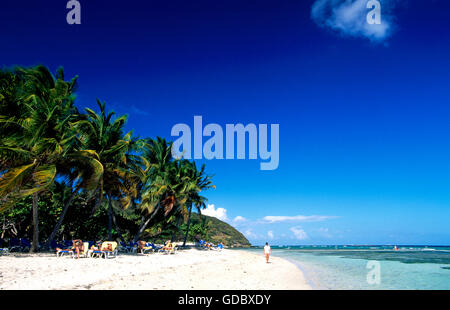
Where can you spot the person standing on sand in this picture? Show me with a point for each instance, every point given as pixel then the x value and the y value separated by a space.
pixel 267 252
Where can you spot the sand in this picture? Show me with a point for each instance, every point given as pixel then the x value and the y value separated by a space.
pixel 186 270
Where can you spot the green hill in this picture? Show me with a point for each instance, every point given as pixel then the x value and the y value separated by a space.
pixel 218 231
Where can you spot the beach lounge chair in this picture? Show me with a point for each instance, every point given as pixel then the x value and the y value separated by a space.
pixel 63 252
pixel 2 249
pixel 157 247
pixel 14 245
pixel 108 249
pixel 169 248
pixel 84 252
pixel 205 245
pixel 151 247
pixel 147 247
pixel 25 244
pixel 218 247
pixel 91 243
pixel 66 248
pixel 72 252
pixel 123 247
pixel 131 247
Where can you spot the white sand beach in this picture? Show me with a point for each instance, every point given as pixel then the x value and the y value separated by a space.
pixel 186 270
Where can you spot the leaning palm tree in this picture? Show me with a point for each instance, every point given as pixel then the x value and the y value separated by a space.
pixel 38 142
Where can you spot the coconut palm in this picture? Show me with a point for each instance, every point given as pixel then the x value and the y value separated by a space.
pixel 172 185
pixel 39 142
pixel 83 170
pixel 43 137
pixel 199 182
pixel 165 186
pixel 118 155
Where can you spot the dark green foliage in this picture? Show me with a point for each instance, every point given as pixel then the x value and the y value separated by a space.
pixel 66 174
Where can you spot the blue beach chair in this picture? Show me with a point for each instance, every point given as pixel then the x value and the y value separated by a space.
pixel 218 247
pixel 108 249
pixel 14 245
pixel 25 244
pixel 64 252
pixel 123 247
pixel 130 247
pixel 133 247
pixel 67 249
pixel 150 247
pixel 2 249
pixel 202 244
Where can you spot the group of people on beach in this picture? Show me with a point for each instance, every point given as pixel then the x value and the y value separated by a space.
pixel 78 247
pixel 209 245
pixel 168 246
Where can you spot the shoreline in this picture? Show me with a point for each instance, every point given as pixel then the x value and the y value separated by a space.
pixel 190 269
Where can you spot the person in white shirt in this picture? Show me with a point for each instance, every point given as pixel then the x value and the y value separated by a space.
pixel 267 252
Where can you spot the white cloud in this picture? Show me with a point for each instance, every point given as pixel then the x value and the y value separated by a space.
pixel 324 232
pixel 250 234
pixel 299 233
pixel 270 234
pixel 349 17
pixel 239 219
pixel 297 218
pixel 219 213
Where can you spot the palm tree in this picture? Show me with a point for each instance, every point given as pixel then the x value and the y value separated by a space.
pixel 118 155
pixel 199 182
pixel 43 137
pixel 164 187
pixel 83 169
pixel 39 141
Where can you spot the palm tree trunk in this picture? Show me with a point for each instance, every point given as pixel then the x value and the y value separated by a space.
pixel 3 228
pixel 34 244
pixel 61 218
pixel 98 201
pixel 117 227
pixel 110 219
pixel 144 225
pixel 176 230
pixel 188 224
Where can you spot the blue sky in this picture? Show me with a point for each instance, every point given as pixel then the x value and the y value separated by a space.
pixel 363 112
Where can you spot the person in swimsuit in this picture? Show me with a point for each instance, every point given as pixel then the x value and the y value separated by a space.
pixel 78 246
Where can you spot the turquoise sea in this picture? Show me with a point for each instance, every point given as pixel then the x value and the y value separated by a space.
pixel 370 267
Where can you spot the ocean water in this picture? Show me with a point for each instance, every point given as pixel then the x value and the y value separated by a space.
pixel 371 267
